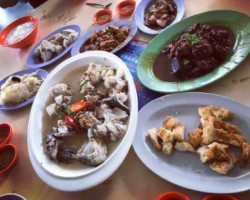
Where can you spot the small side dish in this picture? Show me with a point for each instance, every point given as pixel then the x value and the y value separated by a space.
pixel 210 140
pixel 8 157
pixel 88 118
pixel 103 16
pixel 172 196
pixel 5 134
pixel 126 8
pixel 220 197
pixel 20 32
pixel 160 14
pixel 17 89
pixel 55 45
pixel 106 39
pixel 195 52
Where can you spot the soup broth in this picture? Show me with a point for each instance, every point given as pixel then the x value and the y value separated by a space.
pixel 73 80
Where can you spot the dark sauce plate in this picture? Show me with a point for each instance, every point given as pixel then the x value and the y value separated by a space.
pixel 238 22
pixel 76 49
pixel 33 61
pixel 42 74
pixel 143 6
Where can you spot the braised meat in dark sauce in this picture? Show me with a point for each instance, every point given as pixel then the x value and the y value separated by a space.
pixel 196 52
pixel 160 14
pixel 106 39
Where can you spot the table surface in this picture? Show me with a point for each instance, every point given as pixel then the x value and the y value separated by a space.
pixel 132 180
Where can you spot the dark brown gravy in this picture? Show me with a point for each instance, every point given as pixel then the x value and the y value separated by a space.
pixel 6 157
pixel 4 134
pixel 162 67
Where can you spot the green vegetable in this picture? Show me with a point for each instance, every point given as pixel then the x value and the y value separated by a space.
pixel 186 61
pixel 67 110
pixel 193 38
pixel 83 82
pixel 57 109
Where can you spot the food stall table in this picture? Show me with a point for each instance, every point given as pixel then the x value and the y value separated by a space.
pixel 132 180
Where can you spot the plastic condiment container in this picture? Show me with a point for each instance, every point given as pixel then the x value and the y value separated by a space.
pixel 172 196
pixel 6 133
pixel 26 41
pixel 8 157
pixel 220 197
pixel 102 16
pixel 126 8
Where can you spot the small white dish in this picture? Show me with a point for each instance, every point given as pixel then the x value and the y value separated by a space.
pixel 183 168
pixel 54 174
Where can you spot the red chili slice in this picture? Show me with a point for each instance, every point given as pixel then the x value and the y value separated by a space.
pixel 72 123
pixel 79 106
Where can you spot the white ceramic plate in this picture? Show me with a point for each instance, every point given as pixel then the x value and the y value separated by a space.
pixel 83 178
pixel 183 168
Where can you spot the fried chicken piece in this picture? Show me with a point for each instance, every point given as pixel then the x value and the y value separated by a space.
pixel 170 122
pixel 224 167
pixel 183 146
pixel 220 124
pixel 195 138
pixel 178 132
pixel 220 113
pixel 167 148
pixel 165 135
pixel 213 152
pixel 152 136
pixel 245 154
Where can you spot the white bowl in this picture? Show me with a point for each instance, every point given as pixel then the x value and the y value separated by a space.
pixel 54 174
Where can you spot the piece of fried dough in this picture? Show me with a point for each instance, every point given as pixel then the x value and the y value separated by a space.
pixel 184 146
pixel 220 124
pixel 165 134
pixel 211 134
pixel 178 132
pixel 213 152
pixel 170 122
pixel 195 138
pixel 220 113
pixel 167 148
pixel 152 135
pixel 228 138
pixel 245 154
pixel 224 167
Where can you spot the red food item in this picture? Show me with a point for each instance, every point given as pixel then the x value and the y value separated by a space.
pixel 72 123
pixel 5 134
pixel 79 106
pixel 102 16
pixel 126 8
pixel 172 196
pixel 28 40
pixel 8 157
pixel 220 197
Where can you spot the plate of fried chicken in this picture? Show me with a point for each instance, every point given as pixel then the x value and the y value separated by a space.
pixel 194 138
